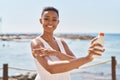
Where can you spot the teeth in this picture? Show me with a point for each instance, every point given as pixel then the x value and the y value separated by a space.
pixel 50 26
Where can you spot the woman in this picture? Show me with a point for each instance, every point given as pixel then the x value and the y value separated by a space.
pixel 52 55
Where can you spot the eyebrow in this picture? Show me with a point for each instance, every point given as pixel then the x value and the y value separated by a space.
pixel 49 16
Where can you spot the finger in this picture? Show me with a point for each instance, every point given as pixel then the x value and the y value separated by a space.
pixel 97 54
pixel 94 45
pixel 42 54
pixel 91 52
pixel 99 48
pixel 37 49
pixel 103 50
pixel 93 40
pixel 97 45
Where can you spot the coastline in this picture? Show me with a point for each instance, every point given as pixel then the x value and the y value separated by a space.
pixel 7 37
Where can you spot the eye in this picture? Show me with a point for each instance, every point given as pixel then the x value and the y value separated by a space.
pixel 45 18
pixel 54 19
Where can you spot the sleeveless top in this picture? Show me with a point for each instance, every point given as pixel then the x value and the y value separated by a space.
pixel 43 74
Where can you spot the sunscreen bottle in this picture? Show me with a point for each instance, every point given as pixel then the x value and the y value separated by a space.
pixel 100 40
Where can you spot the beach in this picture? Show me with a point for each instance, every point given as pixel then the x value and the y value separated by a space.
pixel 16 53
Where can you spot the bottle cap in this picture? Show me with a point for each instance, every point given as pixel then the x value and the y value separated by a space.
pixel 101 34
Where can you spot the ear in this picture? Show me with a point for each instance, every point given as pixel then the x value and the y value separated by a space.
pixel 40 20
pixel 58 21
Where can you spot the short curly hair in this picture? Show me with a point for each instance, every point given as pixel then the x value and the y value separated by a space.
pixel 50 9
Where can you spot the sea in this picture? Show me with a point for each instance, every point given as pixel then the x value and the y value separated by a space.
pixel 17 54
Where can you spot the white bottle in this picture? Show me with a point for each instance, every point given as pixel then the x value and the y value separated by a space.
pixel 100 40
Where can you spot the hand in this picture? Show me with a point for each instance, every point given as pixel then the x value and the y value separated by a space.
pixel 44 52
pixel 95 49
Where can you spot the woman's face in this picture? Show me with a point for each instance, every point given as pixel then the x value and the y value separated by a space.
pixel 49 20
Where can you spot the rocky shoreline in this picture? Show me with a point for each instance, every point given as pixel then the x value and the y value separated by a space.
pixel 7 37
pixel 28 76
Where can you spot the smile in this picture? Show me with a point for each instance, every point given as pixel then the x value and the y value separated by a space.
pixel 50 26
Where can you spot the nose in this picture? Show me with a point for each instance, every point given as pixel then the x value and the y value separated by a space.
pixel 50 22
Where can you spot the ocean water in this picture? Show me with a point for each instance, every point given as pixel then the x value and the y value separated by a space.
pixel 17 54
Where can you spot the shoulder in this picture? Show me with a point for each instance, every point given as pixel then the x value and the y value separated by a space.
pixel 36 42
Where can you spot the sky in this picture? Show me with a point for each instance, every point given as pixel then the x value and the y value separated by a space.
pixel 76 16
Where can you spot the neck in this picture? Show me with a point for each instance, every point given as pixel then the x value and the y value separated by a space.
pixel 47 36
